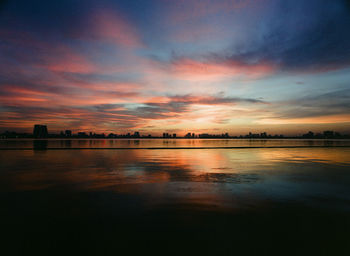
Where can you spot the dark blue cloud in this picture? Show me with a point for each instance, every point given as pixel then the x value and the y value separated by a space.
pixel 59 20
pixel 300 36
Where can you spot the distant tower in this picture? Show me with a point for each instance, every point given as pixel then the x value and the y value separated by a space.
pixel 68 133
pixel 40 131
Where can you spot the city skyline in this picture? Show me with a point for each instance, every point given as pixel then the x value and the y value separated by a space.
pixel 234 66
pixel 41 131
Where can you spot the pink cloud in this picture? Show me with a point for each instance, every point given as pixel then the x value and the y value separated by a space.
pixel 54 57
pixel 109 26
pixel 15 89
pixel 189 68
pixel 66 60
pixel 16 95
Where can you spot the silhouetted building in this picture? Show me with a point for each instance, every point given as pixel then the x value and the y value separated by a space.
pixel 188 135
pixel 68 133
pixel 174 135
pixel 82 134
pixel 318 135
pixel 253 135
pixel 166 135
pixel 137 134
pixel 206 135
pixel 337 135
pixel 40 131
pixel 310 134
pixel 328 134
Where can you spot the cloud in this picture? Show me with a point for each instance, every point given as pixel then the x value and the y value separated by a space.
pixel 24 49
pixel 175 106
pixel 312 36
pixel 332 107
pixel 90 66
pixel 109 117
pixel 211 100
pixel 293 36
pixel 211 68
pixel 108 25
pixel 65 60
pixel 332 103
pixel 186 10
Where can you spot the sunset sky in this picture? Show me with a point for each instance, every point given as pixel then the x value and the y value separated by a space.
pixel 280 66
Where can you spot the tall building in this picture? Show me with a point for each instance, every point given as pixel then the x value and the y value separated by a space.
pixel 40 131
pixel 188 135
pixel 166 135
pixel 68 133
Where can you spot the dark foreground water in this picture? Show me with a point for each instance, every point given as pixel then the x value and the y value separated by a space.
pixel 266 197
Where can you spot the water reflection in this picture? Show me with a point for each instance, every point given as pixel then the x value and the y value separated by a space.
pixel 169 143
pixel 234 197
pixel 40 144
pixel 201 174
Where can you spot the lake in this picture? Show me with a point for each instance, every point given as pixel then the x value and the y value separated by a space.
pixel 215 196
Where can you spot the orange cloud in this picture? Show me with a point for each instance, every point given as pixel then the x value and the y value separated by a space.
pixel 14 95
pixel 14 89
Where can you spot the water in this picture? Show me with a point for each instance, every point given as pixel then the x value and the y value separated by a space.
pixel 166 143
pixel 221 196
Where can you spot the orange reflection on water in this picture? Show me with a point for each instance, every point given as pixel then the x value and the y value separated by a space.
pixel 317 155
pixel 125 170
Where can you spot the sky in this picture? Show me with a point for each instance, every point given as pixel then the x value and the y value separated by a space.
pixel 209 66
